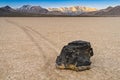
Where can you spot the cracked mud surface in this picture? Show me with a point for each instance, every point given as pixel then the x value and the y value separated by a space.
pixel 29 47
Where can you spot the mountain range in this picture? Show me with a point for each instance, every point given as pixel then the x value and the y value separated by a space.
pixel 28 10
pixel 75 10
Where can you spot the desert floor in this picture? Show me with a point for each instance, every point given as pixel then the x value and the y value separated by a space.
pixel 29 47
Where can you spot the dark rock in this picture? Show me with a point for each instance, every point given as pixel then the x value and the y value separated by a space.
pixel 76 56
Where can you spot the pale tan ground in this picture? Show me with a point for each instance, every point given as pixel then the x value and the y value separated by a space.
pixel 29 47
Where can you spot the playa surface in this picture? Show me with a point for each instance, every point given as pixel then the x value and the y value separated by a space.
pixel 29 47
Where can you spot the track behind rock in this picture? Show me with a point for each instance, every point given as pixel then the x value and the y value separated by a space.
pixel 44 46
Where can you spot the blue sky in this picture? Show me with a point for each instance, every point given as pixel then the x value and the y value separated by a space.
pixel 61 3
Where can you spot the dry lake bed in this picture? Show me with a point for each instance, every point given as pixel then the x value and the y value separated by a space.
pixel 29 47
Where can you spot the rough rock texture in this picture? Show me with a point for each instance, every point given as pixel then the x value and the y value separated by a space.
pixel 76 56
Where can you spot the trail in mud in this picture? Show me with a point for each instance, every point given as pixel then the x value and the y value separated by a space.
pixel 43 44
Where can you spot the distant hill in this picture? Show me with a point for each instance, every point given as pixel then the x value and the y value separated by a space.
pixel 31 11
pixel 110 11
pixel 8 11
